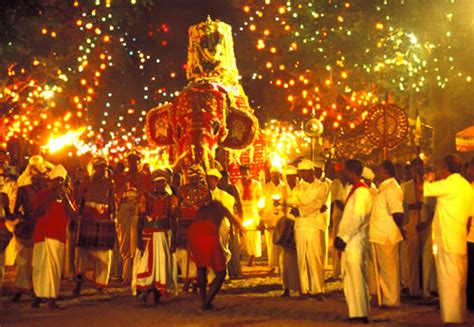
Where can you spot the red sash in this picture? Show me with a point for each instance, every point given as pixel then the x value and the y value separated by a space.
pixel 354 188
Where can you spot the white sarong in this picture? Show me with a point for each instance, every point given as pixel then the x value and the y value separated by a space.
pixel 153 267
pixel 48 266
pixel 452 281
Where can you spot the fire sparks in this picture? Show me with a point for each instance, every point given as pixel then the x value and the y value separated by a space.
pixel 55 144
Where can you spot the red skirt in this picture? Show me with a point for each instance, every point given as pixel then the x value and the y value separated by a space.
pixel 204 245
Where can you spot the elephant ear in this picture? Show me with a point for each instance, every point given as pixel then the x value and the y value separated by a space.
pixel 242 128
pixel 159 132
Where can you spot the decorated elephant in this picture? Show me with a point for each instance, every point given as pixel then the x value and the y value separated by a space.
pixel 212 110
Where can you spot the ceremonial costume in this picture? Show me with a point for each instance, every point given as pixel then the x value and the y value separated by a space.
pixel 28 201
pixel 127 219
pixel 49 242
pixel 353 230
pixel 453 208
pixel 271 216
pixel 252 194
pixel 97 231
pixel 192 196
pixel 153 263
pixel 385 236
pixel 309 233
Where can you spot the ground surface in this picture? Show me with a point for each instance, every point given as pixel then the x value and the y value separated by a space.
pixel 252 300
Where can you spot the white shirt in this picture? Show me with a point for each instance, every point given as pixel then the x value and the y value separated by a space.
pixel 354 226
pixel 470 235
pixel 453 208
pixel 310 197
pixel 387 201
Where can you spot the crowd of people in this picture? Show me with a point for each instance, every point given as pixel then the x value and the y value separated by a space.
pixel 400 229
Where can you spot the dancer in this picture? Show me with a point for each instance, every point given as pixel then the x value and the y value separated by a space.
pixel 206 249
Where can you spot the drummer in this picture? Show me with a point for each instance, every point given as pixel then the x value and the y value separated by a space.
pixel 96 203
pixel 191 195
pixel 27 206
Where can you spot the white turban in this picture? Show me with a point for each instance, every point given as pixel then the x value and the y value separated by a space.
pixel 214 172
pixel 58 171
pixel 290 170
pixel 368 174
pixel 306 164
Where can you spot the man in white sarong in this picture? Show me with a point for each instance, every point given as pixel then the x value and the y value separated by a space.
pixel 273 191
pixel 353 241
pixel 385 235
pixel 453 209
pixel 252 202
pixel 153 267
pixel 288 259
pixel 49 239
pixel 310 224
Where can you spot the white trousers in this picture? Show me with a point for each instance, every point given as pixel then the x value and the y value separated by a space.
pixel 253 243
pixel 429 267
pixel 273 251
pixel 153 267
pixel 452 282
pixel 310 253
pixel 48 266
pixel 100 262
pixel 389 273
pixel 289 269
pixel 185 264
pixel 354 277
pixel 23 276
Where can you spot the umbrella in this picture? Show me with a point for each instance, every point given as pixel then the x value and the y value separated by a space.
pixel 465 139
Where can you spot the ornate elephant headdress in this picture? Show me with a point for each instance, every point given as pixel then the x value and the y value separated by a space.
pixel 211 52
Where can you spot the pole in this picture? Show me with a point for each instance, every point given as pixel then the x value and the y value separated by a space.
pixel 385 128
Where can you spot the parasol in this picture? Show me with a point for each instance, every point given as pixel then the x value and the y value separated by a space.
pixel 465 140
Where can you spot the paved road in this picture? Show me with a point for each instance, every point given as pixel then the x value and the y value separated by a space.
pixel 250 301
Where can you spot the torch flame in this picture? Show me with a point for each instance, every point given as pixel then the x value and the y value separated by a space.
pixel 70 138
